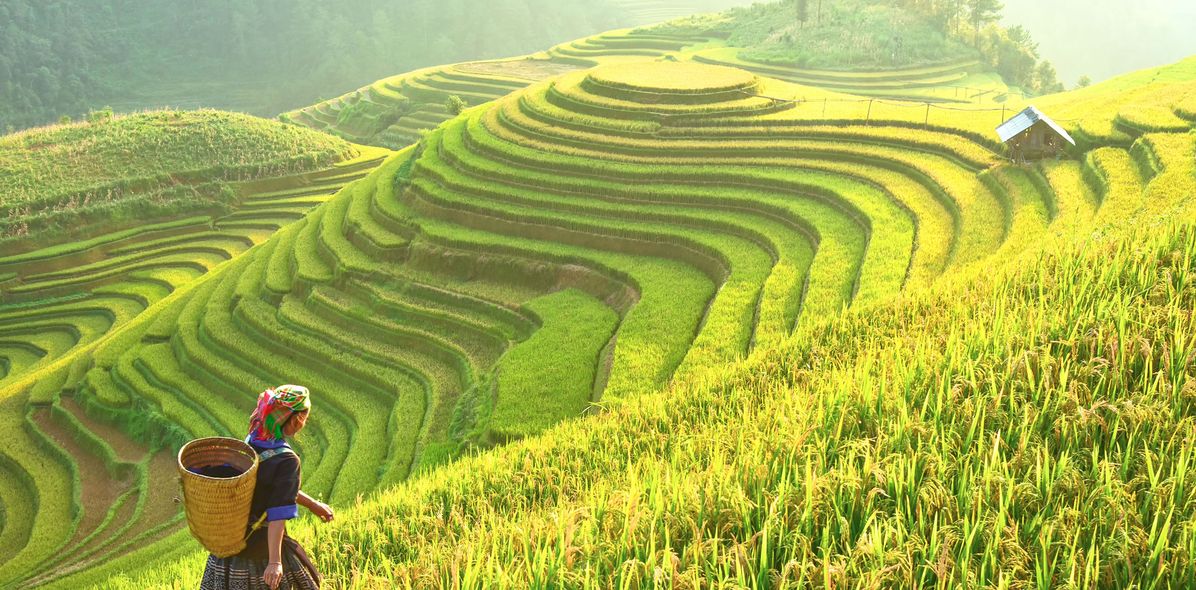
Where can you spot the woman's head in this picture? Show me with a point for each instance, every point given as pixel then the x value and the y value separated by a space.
pixel 294 423
pixel 280 412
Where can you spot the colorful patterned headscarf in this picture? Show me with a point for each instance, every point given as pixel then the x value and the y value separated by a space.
pixel 274 406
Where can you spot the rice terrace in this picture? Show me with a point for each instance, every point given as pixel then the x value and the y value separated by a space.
pixel 786 294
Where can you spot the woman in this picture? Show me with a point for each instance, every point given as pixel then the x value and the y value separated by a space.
pixel 271 559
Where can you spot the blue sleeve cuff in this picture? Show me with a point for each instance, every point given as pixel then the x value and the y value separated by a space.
pixel 282 513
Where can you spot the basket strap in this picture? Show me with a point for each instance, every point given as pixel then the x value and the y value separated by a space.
pixel 257 525
pixel 272 453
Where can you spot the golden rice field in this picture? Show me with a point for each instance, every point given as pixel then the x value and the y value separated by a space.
pixel 646 316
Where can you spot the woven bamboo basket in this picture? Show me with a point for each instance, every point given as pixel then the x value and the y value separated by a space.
pixel 218 508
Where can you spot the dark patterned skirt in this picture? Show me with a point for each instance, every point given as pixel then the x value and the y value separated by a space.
pixel 244 573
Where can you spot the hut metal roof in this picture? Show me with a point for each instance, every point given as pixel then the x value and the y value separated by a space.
pixel 1025 120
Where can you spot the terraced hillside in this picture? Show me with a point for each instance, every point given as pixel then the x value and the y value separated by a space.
pixel 630 45
pixel 599 235
pixel 71 182
pixel 143 227
pixel 961 81
pixel 654 11
pixel 396 112
pixel 68 295
pixel 59 309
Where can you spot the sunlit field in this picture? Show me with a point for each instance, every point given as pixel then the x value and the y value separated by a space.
pixel 721 302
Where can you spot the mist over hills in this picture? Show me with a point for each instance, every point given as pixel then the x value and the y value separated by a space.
pixel 257 56
pixel 69 57
pixel 1104 38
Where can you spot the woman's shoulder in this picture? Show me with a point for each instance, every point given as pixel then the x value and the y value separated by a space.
pixel 288 458
pixel 280 462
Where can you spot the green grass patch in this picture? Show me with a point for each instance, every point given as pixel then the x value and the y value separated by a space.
pixel 61 175
pixel 550 376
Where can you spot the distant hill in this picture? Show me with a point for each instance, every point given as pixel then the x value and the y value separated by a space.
pixel 887 34
pixel 72 180
pixel 844 34
pixel 255 56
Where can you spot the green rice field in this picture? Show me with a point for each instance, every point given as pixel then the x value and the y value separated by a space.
pixel 644 314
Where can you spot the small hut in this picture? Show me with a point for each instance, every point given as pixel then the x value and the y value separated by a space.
pixel 1031 135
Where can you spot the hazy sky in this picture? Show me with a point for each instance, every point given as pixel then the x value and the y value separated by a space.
pixel 1103 38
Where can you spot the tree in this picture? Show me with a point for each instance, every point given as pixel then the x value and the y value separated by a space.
pixel 1084 81
pixel 454 104
pixel 383 29
pixel 1021 37
pixel 803 11
pixel 45 84
pixel 942 13
pixel 1014 54
pixel 5 76
pixel 982 12
pixel 1046 80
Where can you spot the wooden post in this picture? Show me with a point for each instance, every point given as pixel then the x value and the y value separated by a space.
pixel 824 107
pixel 926 123
pixel 868 119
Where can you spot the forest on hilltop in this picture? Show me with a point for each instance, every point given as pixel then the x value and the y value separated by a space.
pixel 263 57
pixel 870 34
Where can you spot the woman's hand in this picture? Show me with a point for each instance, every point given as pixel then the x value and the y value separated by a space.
pixel 273 574
pixel 322 511
pixel 318 508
